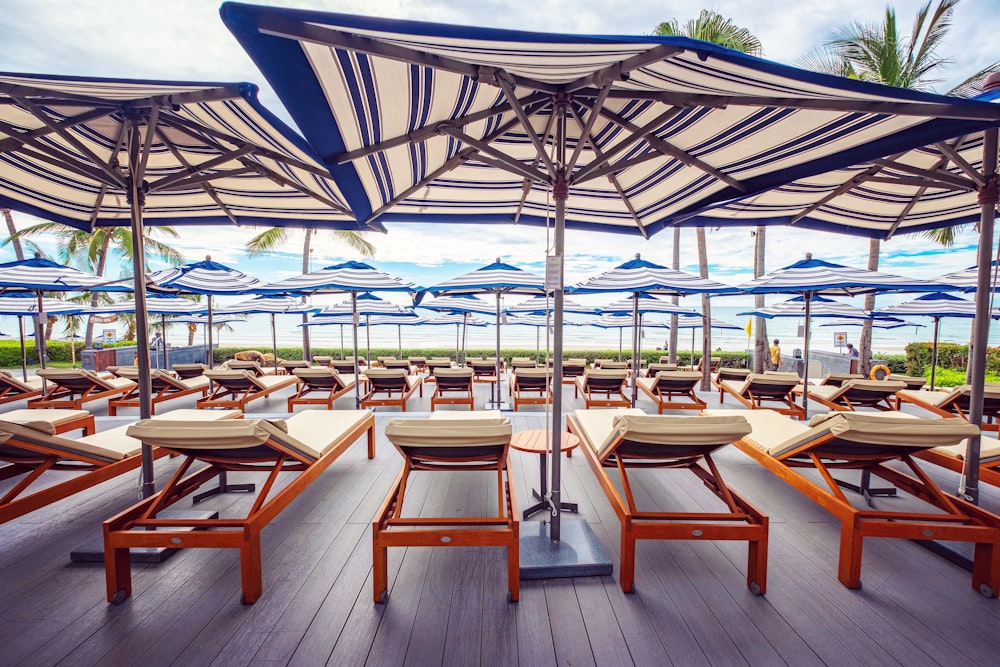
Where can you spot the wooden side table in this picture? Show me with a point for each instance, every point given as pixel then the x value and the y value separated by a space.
pixel 534 442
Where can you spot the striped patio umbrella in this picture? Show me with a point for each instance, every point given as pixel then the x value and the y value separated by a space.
pixel 641 277
pixel 89 152
pixel 622 322
pixel 459 304
pixel 399 321
pixel 349 277
pixel 540 305
pixel 635 132
pixel 462 321
pixel 215 321
pixel 935 305
pixel 367 305
pixel 967 279
pixel 539 321
pixel 812 277
pixel 695 322
pixel 272 304
pixel 158 304
pixel 497 279
pixel 27 304
pixel 39 275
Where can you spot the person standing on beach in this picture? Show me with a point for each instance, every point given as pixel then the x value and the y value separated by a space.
pixel 775 355
pixel 852 351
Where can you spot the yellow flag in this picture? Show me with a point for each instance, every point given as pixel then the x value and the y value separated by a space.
pixel 749 327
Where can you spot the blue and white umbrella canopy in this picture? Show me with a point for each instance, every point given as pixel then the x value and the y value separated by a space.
pixel 697 322
pixel 366 305
pixel 646 304
pixel 539 321
pixel 625 321
pixel 968 279
pixel 936 306
pixel 497 279
pixel 627 134
pixel 462 321
pixel 819 307
pixel 271 304
pixel 158 304
pixel 26 304
pixel 539 305
pixel 459 303
pixel 886 323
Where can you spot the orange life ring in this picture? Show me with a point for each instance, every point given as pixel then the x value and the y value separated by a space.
pixel 880 372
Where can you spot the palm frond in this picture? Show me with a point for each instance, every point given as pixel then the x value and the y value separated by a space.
pixel 266 242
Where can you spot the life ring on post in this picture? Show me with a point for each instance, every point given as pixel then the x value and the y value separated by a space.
pixel 880 372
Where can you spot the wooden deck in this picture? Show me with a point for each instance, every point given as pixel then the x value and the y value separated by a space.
pixel 449 606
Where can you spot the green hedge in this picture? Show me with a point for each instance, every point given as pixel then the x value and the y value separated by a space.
pixel 950 355
pixel 729 359
pixel 59 352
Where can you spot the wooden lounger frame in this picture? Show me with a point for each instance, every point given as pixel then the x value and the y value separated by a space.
pixel 666 391
pixel 13 389
pixel 743 521
pixel 853 397
pixel 955 408
pixel 393 396
pixel 74 394
pixel 391 529
pixel 120 532
pixel 592 386
pixel 763 398
pixel 958 520
pixel 460 388
pixel 333 389
pixel 531 389
pixel 163 390
pixel 239 395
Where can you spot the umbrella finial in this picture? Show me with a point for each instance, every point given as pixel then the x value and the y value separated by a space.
pixel 498 260
pixel 638 256
pixel 208 258
pixel 992 82
pixel 809 255
pixel 38 254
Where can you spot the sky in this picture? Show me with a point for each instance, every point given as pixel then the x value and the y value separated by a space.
pixel 186 40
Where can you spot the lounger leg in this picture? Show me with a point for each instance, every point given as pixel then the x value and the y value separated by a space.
pixel 626 573
pixel 986 569
pixel 849 568
pixel 757 564
pixel 380 566
pixel 514 568
pixel 117 572
pixel 250 567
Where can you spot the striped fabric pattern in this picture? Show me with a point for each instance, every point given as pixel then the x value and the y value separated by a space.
pixel 698 321
pixel 539 305
pixel 625 322
pixel 367 304
pixel 418 118
pixel 534 320
pixel 346 277
pixel 495 278
pixel 26 305
pixel 647 304
pixel 878 323
pixel 820 277
pixel 818 307
pixel 217 156
pixel 936 304
pixel 968 279
pixel 270 304
pixel 642 276
pixel 203 319
pixel 455 318
pixel 39 273
pixel 460 303
pixel 206 277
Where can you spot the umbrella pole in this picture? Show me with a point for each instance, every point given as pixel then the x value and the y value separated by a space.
pixel 357 372
pixel 40 346
pixel 636 325
pixel 621 333
pixel 496 400
pixel 342 355
pixel 805 357
pixel 368 338
pixel 560 191
pixel 969 488
pixel 538 344
pixel 72 340
pixel 274 344
pixel 692 348
pixel 458 329
pixel 399 339
pixel 163 328
pixel 24 352
pixel 937 321
pixel 465 336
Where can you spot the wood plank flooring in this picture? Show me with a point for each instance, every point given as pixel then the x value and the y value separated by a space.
pixel 449 606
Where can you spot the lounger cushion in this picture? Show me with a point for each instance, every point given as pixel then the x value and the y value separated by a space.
pixel 111 445
pixel 597 425
pixel 232 434
pixel 49 415
pixel 453 372
pixel 667 430
pixel 840 378
pixel 912 381
pixel 33 383
pixel 63 374
pixel 471 415
pixel 443 433
pixel 989 450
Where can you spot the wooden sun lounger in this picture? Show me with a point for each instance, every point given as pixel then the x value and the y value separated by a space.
pixel 673 390
pixel 33 448
pixel 400 363
pixel 655 368
pixel 322 360
pixel 165 387
pixel 912 382
pixel 15 389
pixel 738 375
pixel 531 386
pixel 445 443
pixel 628 438
pixel 955 403
pixel 571 370
pixel 63 420
pixel 286 366
pixel 188 371
pixel 867 442
pixel 952 457
pixel 390 387
pixel 344 366
pixel 454 386
pixel 251 367
pixel 599 385
pixel 483 370
pixel 768 391
pixel 73 387
pixel 307 443
pixel 235 389
pixel 837 379
pixel 854 394
pixel 322 380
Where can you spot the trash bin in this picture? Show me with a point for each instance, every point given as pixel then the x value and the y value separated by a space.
pixel 104 358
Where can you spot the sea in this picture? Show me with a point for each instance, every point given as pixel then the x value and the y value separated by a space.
pixel 256 332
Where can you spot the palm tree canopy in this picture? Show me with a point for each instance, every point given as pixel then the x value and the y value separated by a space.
pixel 712 27
pixel 273 238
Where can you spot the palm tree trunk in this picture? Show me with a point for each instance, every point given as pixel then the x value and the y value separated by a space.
pixel 306 250
pixel 760 347
pixel 102 262
pixel 865 344
pixel 676 265
pixel 11 230
pixel 706 309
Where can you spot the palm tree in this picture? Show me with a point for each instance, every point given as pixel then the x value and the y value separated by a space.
pixel 90 250
pixel 273 238
pixel 711 27
pixel 878 52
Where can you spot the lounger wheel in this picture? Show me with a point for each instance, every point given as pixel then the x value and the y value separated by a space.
pixel 119 596
pixel 880 372
pixel 987 591
pixel 755 588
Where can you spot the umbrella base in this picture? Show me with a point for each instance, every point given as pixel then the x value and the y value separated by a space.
pixel 92 551
pixel 578 553
pixel 502 406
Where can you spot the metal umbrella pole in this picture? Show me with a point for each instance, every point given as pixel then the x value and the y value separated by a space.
pixel 24 352
pixel 356 322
